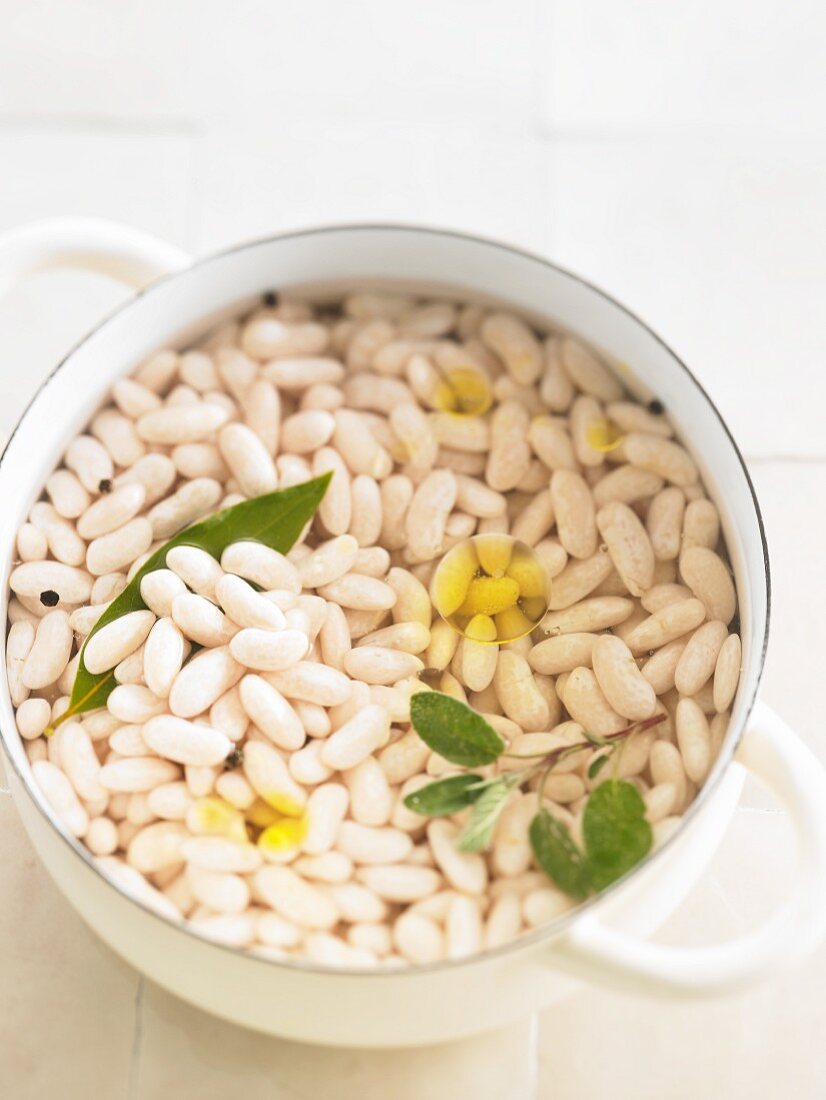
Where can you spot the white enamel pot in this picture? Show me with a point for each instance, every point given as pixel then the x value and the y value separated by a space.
pixel 605 941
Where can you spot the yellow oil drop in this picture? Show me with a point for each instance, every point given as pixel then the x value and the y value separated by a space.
pixel 515 623
pixel 489 596
pixel 494 553
pixel 463 391
pixel 491 588
pixel 213 816
pixel 532 582
pixel 603 435
pixel 481 628
pixel 261 814
pixel 283 836
pixel 271 806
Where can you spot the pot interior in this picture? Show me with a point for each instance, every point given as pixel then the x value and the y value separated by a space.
pixel 323 263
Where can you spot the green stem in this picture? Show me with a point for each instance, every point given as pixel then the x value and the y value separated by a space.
pixel 556 755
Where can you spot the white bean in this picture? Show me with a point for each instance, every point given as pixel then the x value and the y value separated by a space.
pixel 117 550
pixel 515 344
pixel 699 658
pixel 510 455
pixel 463 927
pixel 586 703
pixel 137 773
pixel 181 424
pixel 87 458
pixel 621 681
pixel 60 795
pixel 271 712
pixel 693 739
pixel 356 739
pixel 115 641
pixel 73 586
pixel 365 844
pixel 374 664
pixel 248 458
pixel 196 568
pixel 400 882
pixel 427 514
pixel 294 899
pixel 49 655
pixel 69 497
pixel 245 606
pixel 33 716
pixel 216 853
pixel 80 763
pixel 629 546
pixel 200 682
pixel 517 692
pixel 61 536
pixel 312 683
pixel 18 646
pixel 268 650
pixel 726 673
pixel 707 577
pixel 193 500
pixel 262 565
pixel 268 775
pixel 465 871
pixel 419 939
pixel 186 742
pixel 575 515
pixel 371 798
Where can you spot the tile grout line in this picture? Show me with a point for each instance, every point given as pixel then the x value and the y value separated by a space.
pixel 133 1080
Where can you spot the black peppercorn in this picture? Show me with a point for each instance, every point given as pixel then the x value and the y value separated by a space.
pixel 270 299
pixel 105 485
pixel 49 598
pixel 234 760
pixel 656 407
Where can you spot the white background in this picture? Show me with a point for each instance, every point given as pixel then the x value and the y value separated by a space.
pixel 674 153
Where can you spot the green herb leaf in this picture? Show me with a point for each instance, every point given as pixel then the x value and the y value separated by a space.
pixel 454 731
pixel 558 856
pixel 597 764
pixel 446 796
pixel 276 519
pixel 615 831
pixel 477 834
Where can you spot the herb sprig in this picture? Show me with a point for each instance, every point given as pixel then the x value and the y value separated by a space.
pixel 616 835
pixel 275 519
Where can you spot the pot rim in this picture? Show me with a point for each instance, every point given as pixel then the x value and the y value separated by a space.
pixel 543 933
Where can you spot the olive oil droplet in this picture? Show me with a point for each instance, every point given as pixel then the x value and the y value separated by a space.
pixel 491 588
pixel 463 391
pixel 603 435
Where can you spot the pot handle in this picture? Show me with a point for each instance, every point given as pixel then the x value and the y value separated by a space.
pixel 126 254
pixel 772 753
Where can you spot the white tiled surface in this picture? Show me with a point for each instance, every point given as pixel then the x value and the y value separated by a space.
pixel 674 153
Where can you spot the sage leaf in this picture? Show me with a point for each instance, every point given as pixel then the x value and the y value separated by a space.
pixel 558 856
pixel 477 833
pixel 446 796
pixel 597 764
pixel 615 831
pixel 454 731
pixel 276 519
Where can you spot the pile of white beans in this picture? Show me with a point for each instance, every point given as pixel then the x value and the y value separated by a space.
pixel 306 662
